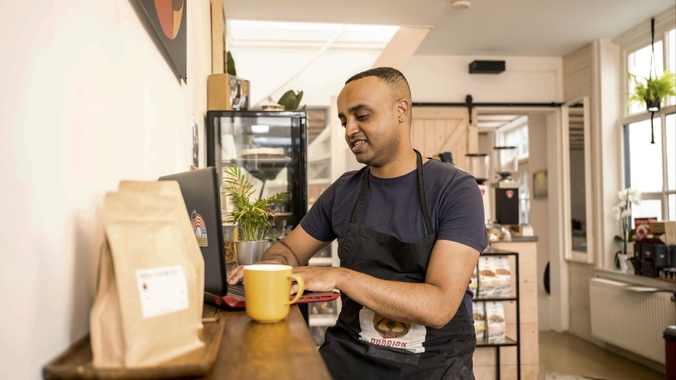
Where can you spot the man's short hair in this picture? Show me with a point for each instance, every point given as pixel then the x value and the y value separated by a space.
pixel 393 77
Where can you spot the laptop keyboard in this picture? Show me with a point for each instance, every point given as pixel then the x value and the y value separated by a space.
pixel 237 289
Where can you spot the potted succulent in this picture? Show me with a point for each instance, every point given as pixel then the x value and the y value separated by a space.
pixel 253 218
pixel 653 90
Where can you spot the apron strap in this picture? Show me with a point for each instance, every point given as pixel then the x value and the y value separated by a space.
pixel 423 196
pixel 356 215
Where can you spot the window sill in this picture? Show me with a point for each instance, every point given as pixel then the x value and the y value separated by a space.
pixel 612 274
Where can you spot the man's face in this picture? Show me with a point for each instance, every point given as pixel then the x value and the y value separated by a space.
pixel 369 115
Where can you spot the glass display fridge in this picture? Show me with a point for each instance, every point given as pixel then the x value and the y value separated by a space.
pixel 271 148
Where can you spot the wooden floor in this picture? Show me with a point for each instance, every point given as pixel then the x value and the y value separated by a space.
pixel 568 354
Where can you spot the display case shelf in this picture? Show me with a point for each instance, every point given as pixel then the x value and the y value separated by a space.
pixel 322 320
pixel 320 159
pixel 319 181
pixel 509 342
pixel 321 261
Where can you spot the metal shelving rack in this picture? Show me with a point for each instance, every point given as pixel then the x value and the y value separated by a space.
pixel 508 341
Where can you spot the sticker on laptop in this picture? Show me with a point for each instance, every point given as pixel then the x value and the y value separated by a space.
pixel 200 228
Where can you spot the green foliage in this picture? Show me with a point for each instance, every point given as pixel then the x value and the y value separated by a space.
pixel 291 100
pixel 252 218
pixel 230 64
pixel 653 88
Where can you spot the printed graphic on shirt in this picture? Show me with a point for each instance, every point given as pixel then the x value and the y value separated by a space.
pixel 379 330
pixel 199 228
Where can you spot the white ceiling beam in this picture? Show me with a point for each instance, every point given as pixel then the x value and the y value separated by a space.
pixel 401 47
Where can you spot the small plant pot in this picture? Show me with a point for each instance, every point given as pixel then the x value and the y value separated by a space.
pixel 249 252
pixel 652 105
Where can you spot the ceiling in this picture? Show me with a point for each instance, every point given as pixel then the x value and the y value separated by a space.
pixel 487 28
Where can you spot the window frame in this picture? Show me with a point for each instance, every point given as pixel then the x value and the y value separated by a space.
pixel 660 121
pixel 630 42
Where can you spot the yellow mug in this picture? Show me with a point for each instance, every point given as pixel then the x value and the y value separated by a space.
pixel 267 289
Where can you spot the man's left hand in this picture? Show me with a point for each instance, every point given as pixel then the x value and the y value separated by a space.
pixel 317 279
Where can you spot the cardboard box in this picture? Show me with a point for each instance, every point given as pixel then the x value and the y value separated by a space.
pixel 222 93
pixel 665 231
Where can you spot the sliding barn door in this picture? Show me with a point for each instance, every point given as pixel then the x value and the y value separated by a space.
pixel 445 129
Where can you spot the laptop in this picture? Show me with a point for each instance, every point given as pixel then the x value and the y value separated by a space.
pixel 201 193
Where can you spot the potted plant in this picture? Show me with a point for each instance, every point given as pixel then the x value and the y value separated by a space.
pixel 622 212
pixel 291 100
pixel 253 218
pixel 653 90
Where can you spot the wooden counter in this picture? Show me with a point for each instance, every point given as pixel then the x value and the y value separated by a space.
pixel 236 348
pixel 251 350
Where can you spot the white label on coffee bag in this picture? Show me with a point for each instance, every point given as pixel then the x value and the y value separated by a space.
pixel 162 290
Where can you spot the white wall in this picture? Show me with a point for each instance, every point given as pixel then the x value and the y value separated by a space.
pixel 432 78
pixel 539 211
pixel 318 76
pixel 447 79
pixel 87 99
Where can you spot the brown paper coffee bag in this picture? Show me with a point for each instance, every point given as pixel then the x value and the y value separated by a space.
pixel 149 302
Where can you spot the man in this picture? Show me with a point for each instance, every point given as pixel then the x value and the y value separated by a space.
pixel 409 233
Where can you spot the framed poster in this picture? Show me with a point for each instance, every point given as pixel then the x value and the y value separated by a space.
pixel 169 21
pixel 540 184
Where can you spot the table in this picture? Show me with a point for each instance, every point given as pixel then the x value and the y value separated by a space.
pixel 251 350
pixel 235 348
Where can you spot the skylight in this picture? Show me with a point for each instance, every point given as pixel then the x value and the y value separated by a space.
pixel 296 35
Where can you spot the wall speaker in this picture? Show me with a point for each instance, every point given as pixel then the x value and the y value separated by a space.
pixel 486 67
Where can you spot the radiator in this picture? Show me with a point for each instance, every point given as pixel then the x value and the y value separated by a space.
pixel 631 317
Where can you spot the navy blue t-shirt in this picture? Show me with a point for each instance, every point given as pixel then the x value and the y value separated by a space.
pixel 393 207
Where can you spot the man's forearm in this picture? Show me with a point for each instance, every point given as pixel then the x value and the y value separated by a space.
pixel 432 303
pixel 418 303
pixel 280 253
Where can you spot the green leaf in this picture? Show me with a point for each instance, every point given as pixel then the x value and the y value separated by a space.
pixel 230 65
pixel 291 100
pixel 253 218
pixel 652 88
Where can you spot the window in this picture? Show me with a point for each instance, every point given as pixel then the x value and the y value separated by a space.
pixel 515 134
pixel 524 199
pixel 651 168
pixel 639 65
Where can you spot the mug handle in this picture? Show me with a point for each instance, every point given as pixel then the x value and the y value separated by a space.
pixel 301 288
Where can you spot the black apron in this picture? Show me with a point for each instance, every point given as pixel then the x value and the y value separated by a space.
pixel 365 345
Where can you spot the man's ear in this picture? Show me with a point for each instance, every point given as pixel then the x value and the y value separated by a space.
pixel 403 110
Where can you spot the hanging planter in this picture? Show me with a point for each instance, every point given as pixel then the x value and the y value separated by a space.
pixel 652 90
pixel 652 105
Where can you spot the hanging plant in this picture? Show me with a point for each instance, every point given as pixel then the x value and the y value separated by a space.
pixel 653 90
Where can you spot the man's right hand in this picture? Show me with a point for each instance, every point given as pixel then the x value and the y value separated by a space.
pixel 294 249
pixel 238 272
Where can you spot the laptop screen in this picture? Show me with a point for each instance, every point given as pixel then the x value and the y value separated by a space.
pixel 201 192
